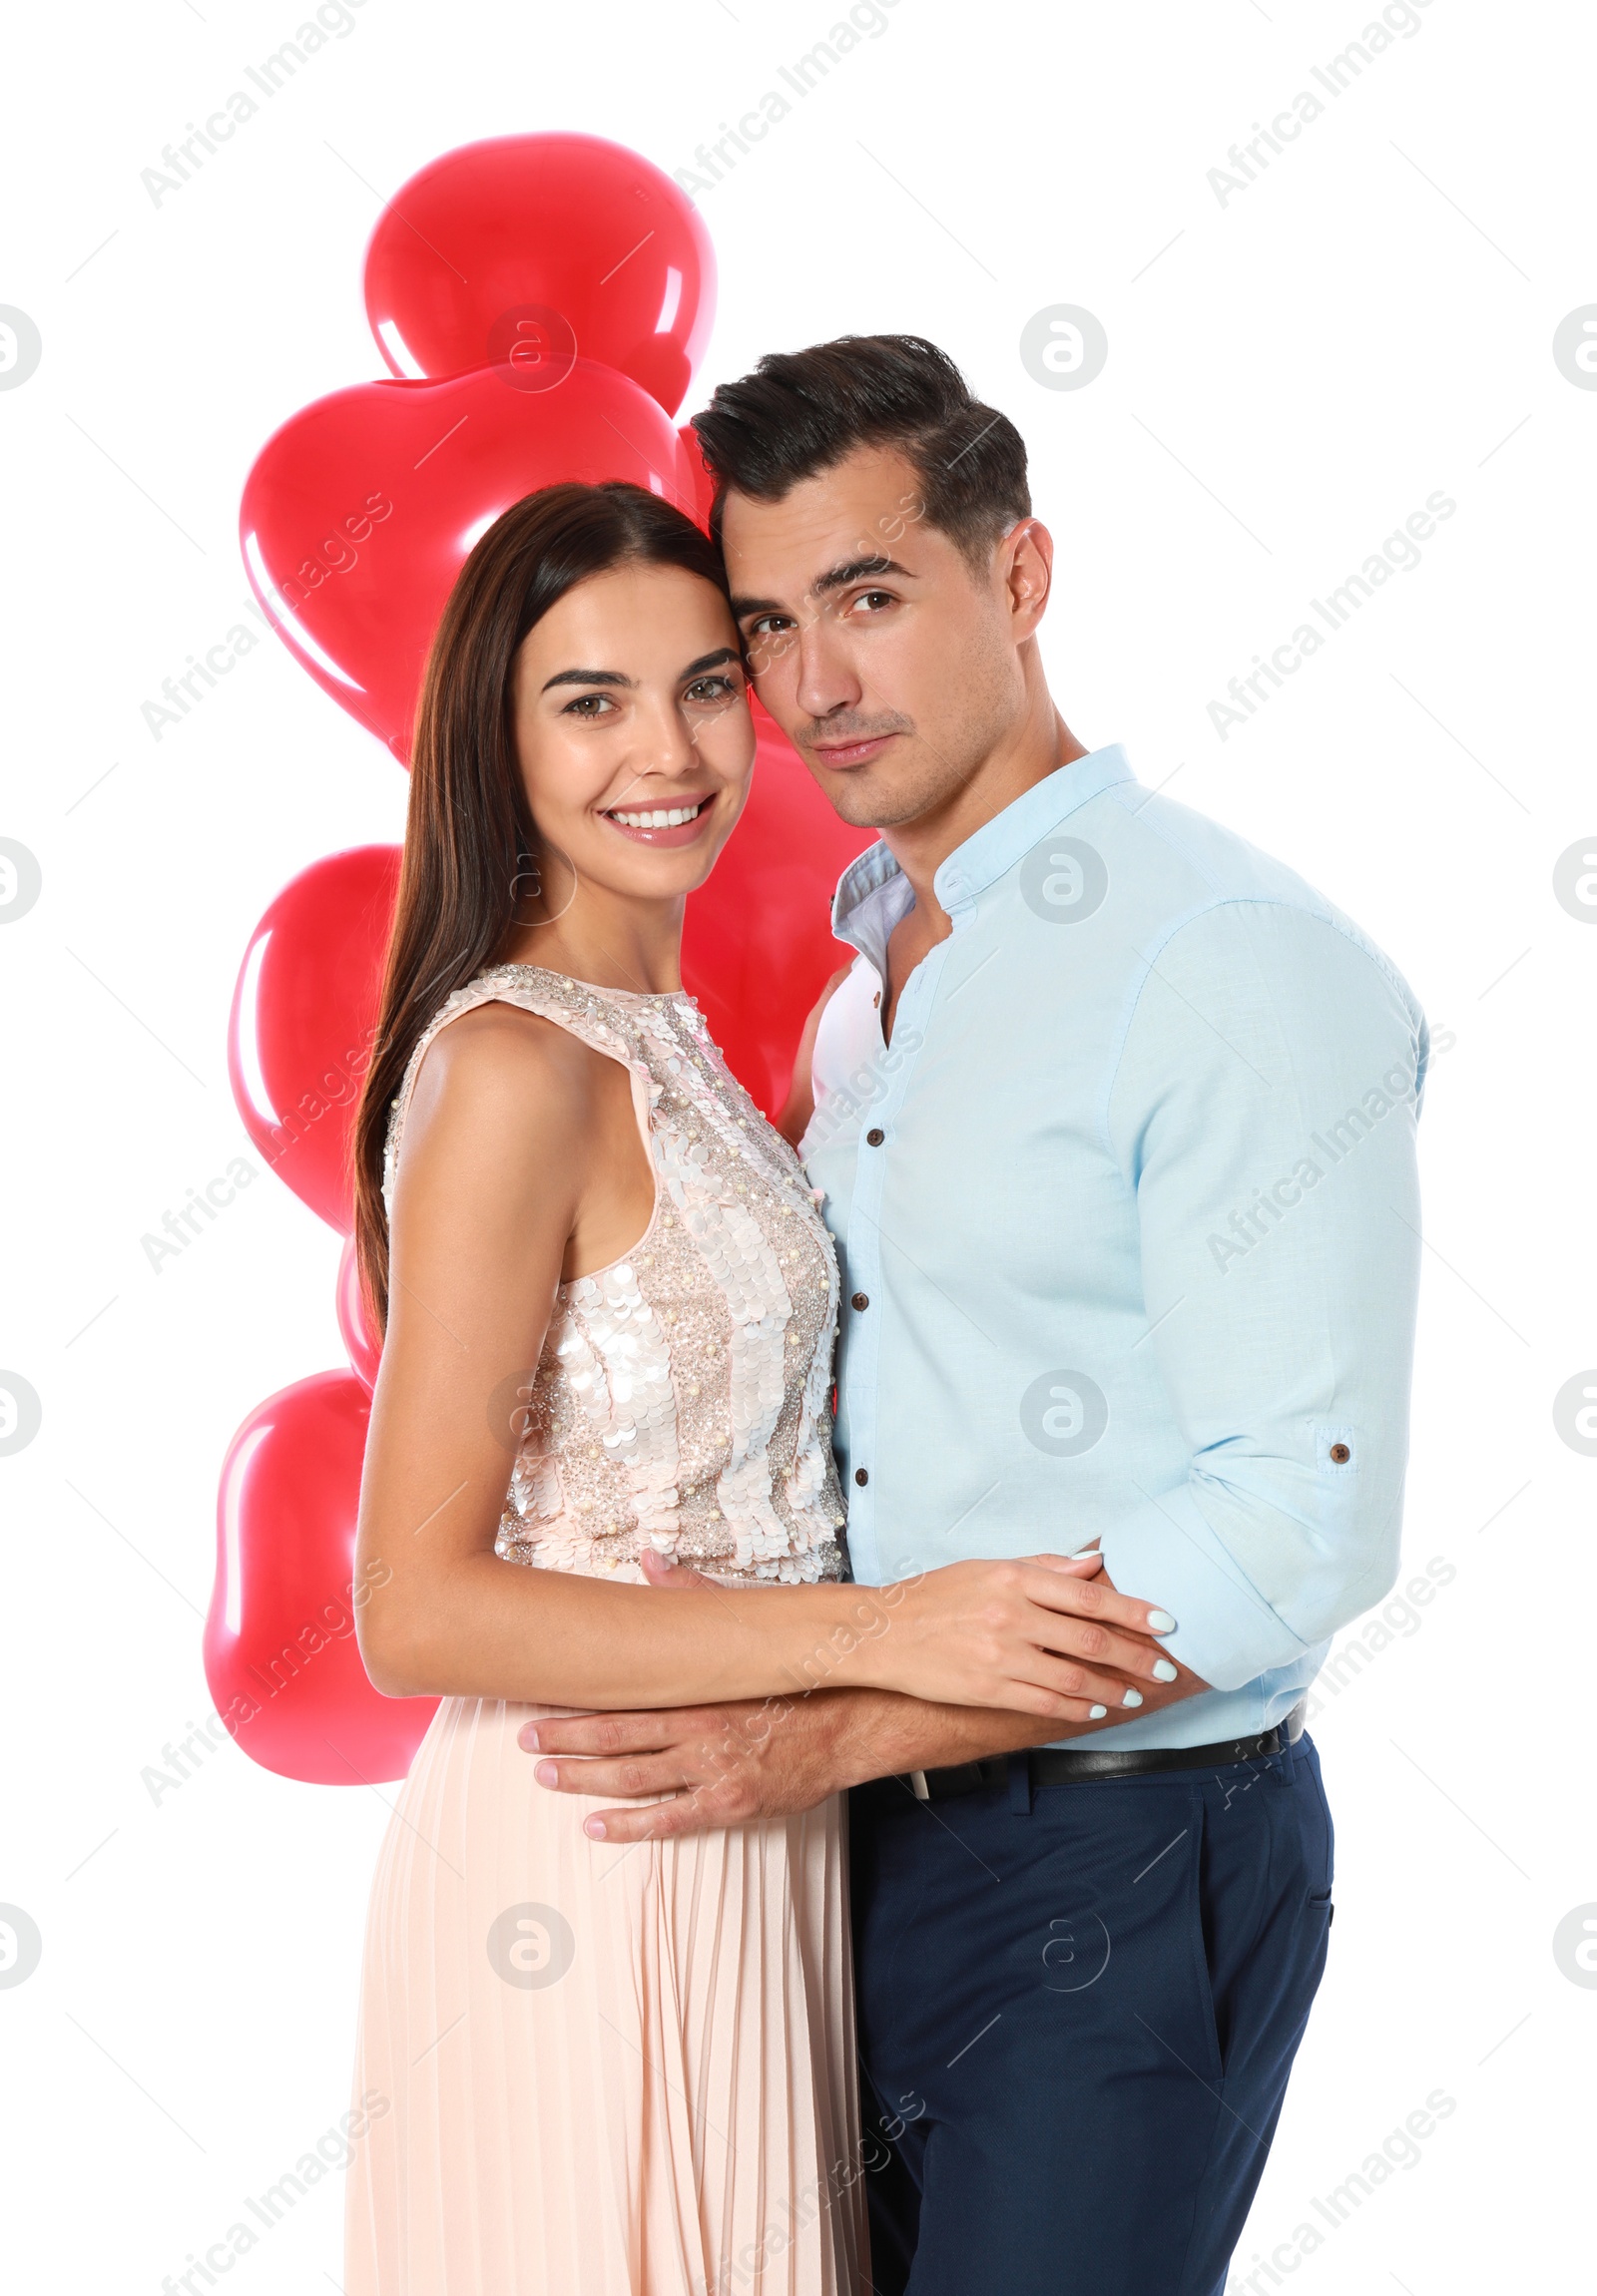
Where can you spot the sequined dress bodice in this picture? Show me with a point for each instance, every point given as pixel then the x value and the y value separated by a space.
pixel 681 1398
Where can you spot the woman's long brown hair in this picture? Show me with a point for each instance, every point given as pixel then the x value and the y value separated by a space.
pixel 469 835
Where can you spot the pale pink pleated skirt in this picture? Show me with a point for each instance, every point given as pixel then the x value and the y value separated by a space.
pixel 593 2071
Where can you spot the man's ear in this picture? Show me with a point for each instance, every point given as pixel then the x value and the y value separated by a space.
pixel 1026 564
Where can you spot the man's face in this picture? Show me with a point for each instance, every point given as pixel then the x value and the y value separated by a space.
pixel 887 658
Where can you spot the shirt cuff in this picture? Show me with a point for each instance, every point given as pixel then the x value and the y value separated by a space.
pixel 1166 1551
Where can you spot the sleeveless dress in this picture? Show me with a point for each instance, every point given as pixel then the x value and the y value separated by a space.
pixel 592 2070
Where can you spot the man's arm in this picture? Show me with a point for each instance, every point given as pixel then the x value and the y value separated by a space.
pixel 724 1765
pixel 727 1765
pixel 1264 1110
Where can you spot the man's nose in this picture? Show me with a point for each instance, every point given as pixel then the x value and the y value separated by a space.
pixel 825 681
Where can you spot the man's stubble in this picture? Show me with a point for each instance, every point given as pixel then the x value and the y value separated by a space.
pixel 927 769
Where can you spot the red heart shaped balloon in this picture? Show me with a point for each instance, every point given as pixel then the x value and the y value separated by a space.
pixel 757 944
pixel 280 1650
pixel 359 512
pixel 305 1013
pixel 555 243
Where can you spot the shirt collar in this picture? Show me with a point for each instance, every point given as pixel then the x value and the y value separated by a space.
pixel 873 893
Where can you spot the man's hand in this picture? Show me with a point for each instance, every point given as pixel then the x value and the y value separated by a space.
pixel 723 1765
pixel 727 1765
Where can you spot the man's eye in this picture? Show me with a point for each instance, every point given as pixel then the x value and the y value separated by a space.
pixel 769 625
pixel 588 706
pixel 875 600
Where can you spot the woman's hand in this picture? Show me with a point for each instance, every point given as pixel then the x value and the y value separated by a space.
pixel 1039 1634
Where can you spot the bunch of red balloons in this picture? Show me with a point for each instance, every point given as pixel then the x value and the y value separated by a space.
pixel 541 300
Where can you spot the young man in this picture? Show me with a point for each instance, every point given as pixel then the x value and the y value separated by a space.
pixel 1115 1119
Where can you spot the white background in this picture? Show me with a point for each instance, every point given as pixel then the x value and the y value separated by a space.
pixel 1288 376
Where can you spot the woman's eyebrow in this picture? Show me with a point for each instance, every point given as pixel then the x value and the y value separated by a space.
pixel 712 661
pixel 585 678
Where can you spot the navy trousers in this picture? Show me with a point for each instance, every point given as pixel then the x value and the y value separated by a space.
pixel 1077 2009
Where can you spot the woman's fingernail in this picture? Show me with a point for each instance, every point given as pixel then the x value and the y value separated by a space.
pixel 1164 1671
pixel 1161 1623
pixel 529 1737
pixel 1131 1698
pixel 594 1828
pixel 546 1774
pixel 1096 1713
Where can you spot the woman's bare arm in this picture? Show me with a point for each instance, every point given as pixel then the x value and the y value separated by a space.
pixel 521 1166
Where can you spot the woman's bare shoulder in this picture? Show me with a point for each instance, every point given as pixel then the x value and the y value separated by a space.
pixel 498 1073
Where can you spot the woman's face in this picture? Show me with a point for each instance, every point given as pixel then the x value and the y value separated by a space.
pixel 633 731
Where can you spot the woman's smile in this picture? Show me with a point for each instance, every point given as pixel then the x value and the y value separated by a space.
pixel 677 822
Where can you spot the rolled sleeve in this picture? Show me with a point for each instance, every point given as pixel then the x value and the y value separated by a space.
pixel 1263 1107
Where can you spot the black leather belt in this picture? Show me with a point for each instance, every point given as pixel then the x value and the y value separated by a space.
pixel 1063 1765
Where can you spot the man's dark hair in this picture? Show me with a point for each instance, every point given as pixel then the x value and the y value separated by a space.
pixel 802 412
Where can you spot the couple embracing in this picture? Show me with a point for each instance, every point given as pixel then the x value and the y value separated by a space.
pixel 1032 1389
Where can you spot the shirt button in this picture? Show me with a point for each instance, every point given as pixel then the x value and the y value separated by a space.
pixel 875 1137
pixel 1339 1454
pixel 861 1299
pixel 862 1475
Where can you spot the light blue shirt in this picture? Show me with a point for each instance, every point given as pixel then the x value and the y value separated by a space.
pixel 1129 1220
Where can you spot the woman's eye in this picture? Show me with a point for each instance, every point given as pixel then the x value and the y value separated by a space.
pixel 588 706
pixel 710 690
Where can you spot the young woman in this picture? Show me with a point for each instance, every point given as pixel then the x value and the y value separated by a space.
pixel 610 1304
